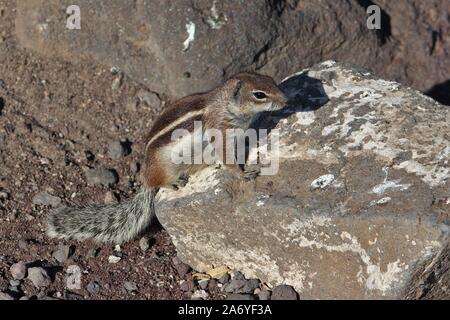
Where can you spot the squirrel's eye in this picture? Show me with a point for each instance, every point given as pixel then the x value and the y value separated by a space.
pixel 259 95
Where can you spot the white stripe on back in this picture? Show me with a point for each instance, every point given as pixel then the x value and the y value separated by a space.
pixel 174 124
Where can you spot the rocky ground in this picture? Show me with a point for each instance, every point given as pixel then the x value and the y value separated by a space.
pixel 71 133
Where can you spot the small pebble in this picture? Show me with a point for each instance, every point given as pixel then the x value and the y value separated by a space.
pixel 203 284
pixel 14 289
pixel 18 270
pixel 63 253
pixel 93 287
pixel 284 292
pixel 200 294
pixel 39 277
pixel 73 281
pixel 149 98
pixel 235 286
pixel 135 167
pixel 250 286
pixel 93 253
pixel 118 149
pixel 187 285
pixel 70 296
pixel 130 286
pixel 264 295
pixel 212 285
pixel 14 283
pixel 117 82
pixel 114 259
pixel 102 177
pixel 110 198
pixel 182 269
pixel 238 276
pixel 144 244
pixel 46 199
pixel 23 244
pixel 225 278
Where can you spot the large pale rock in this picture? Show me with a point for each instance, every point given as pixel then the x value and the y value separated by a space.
pixel 360 205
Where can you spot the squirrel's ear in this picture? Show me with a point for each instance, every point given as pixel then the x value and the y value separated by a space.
pixel 237 89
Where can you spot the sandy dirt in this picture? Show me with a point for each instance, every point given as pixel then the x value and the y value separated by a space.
pixel 56 121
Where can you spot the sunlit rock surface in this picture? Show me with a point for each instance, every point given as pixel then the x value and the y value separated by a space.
pixel 359 207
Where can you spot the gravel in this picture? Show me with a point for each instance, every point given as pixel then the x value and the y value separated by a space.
pixel 46 199
pixel 4 195
pixel 284 292
pixel 39 277
pixel 241 297
pixel 103 177
pixel 18 270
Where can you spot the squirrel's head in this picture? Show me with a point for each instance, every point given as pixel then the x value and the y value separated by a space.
pixel 253 93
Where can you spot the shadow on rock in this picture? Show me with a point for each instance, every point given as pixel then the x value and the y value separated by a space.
pixel 305 94
pixel 440 93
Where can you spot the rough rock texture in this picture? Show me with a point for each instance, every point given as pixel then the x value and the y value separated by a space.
pixel 159 43
pixel 186 46
pixel 360 205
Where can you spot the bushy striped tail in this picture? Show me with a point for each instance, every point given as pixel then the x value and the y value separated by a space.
pixel 115 223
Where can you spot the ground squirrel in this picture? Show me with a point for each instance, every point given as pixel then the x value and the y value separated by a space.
pixel 232 105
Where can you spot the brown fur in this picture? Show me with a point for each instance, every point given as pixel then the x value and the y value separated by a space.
pixel 215 113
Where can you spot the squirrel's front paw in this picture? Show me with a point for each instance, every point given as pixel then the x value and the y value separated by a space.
pixel 251 173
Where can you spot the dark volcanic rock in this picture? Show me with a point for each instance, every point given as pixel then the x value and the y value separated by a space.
pixel 184 46
pixel 174 48
pixel 284 292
